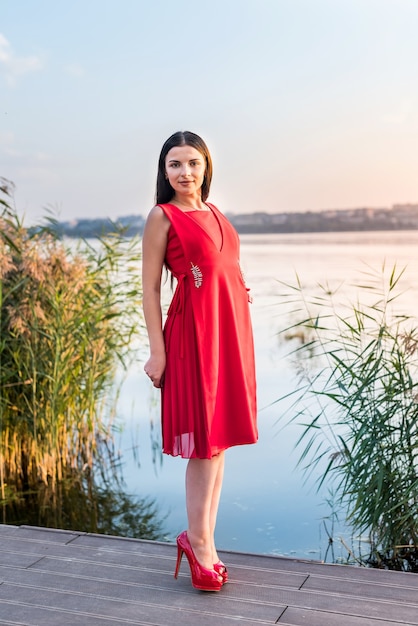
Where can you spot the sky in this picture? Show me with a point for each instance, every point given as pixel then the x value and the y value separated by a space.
pixel 304 104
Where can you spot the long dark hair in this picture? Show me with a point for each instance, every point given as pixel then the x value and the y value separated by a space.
pixel 165 192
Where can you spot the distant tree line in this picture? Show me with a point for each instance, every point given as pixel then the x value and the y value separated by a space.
pixel 399 217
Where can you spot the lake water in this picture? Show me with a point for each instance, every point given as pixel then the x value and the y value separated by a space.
pixel 266 506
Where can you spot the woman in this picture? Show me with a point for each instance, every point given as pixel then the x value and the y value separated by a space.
pixel 203 359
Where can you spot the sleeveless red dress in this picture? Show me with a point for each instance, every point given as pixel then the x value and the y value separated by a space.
pixel 209 391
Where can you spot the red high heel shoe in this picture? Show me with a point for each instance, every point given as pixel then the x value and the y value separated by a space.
pixel 220 568
pixel 202 578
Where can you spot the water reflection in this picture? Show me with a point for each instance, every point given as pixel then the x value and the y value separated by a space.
pixel 87 504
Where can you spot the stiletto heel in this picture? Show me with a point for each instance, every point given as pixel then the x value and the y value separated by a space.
pixel 220 568
pixel 179 556
pixel 202 578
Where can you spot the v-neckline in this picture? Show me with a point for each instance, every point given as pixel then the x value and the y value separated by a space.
pixel 214 213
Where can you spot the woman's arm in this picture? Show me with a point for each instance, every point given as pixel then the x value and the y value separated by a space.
pixel 154 244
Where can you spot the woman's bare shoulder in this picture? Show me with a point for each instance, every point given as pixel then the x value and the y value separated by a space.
pixel 157 224
pixel 157 215
pixel 156 211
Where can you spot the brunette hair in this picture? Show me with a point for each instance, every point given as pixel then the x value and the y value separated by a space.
pixel 164 191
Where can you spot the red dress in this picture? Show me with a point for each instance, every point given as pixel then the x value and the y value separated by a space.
pixel 209 392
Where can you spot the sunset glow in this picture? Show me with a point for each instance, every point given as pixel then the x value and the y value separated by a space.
pixel 305 104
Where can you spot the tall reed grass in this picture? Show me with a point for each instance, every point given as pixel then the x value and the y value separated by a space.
pixel 357 404
pixel 69 319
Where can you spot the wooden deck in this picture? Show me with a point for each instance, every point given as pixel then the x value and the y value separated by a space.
pixel 60 578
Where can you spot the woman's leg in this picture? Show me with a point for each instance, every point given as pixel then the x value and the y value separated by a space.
pixel 203 487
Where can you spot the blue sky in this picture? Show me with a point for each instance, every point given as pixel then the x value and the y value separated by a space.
pixel 305 104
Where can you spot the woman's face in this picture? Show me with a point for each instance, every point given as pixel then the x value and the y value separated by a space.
pixel 185 169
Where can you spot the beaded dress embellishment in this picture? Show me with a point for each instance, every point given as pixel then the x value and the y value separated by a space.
pixel 197 275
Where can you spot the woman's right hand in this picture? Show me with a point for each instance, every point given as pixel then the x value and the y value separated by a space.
pixel 154 369
pixel 154 245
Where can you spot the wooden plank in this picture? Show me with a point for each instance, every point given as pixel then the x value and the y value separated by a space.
pixel 272 563
pixel 305 617
pixel 8 528
pixel 350 605
pixel 59 602
pixel 122 544
pixel 363 589
pixel 29 615
pixel 18 560
pixel 135 559
pixel 50 535
pixel 180 596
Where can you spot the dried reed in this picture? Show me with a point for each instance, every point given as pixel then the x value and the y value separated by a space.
pixel 68 320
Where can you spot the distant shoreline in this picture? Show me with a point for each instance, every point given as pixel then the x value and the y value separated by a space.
pixel 398 217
